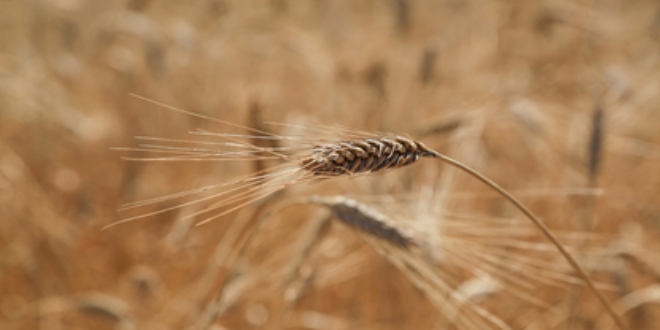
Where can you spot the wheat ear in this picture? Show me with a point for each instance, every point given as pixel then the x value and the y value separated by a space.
pixel 364 156
pixel 365 219
pixel 374 228
pixel 381 153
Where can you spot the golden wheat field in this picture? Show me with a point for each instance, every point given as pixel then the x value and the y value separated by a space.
pixel 219 164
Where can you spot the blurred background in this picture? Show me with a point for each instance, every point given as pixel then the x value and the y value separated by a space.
pixel 557 100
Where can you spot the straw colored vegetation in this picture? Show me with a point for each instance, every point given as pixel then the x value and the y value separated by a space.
pixel 222 202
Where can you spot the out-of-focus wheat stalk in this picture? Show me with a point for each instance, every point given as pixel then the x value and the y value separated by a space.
pixel 424 260
pixel 406 253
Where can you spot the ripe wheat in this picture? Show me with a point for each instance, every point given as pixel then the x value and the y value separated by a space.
pixel 308 160
pixel 366 219
pixel 364 156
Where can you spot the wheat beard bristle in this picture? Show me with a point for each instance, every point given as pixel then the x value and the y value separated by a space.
pixel 364 156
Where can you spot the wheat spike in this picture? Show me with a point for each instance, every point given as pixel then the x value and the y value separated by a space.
pixel 364 156
pixel 364 153
pixel 365 219
pixel 401 249
pixel 332 160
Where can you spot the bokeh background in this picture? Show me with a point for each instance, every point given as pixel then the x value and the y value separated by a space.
pixel 557 100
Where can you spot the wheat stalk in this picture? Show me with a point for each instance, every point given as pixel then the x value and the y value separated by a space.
pixel 544 229
pixel 407 254
pixel 372 155
pixel 358 154
pixel 366 220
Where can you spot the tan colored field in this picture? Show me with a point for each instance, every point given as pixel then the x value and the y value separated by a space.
pixel 557 101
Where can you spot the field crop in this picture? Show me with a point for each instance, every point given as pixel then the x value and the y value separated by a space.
pixel 226 164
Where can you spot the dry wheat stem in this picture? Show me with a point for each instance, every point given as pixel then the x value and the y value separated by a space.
pixel 218 305
pixel 544 229
pixel 375 154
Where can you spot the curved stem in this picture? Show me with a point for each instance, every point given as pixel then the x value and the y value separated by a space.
pixel 548 234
